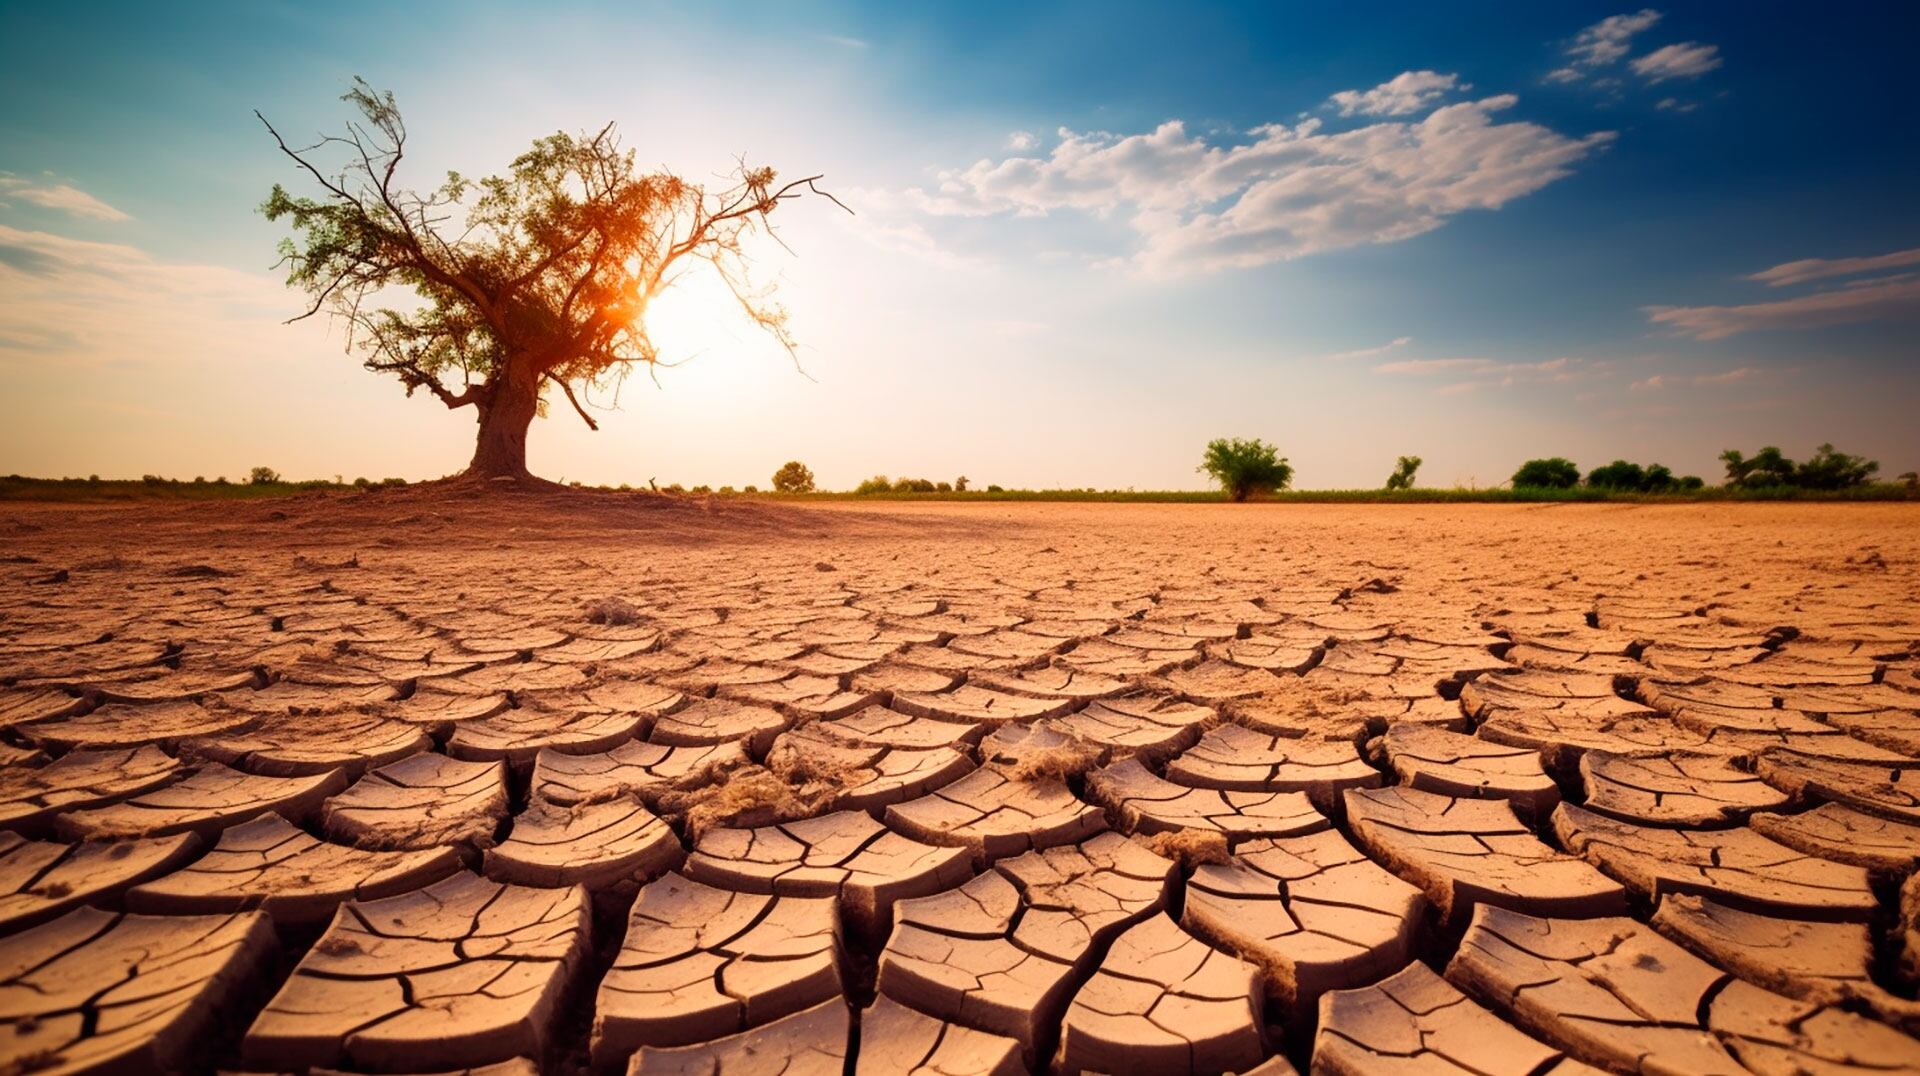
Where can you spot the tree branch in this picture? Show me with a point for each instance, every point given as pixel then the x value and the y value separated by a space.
pixel 575 401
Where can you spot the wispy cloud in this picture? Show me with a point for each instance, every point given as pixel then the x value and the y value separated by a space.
pixel 846 42
pixel 1799 272
pixel 1868 300
pixel 1723 377
pixel 1370 352
pixel 1603 44
pixel 1473 373
pixel 1405 93
pixel 1022 140
pixel 1295 190
pixel 1685 60
pixel 49 194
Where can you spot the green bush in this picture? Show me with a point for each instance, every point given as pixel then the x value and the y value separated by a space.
pixel 793 477
pixel 1825 470
pixel 912 485
pixel 262 476
pixel 1830 470
pixel 1555 472
pixel 1244 467
pixel 995 489
pixel 877 484
pixel 1618 475
pixel 751 489
pixel 1402 476
pixel 960 484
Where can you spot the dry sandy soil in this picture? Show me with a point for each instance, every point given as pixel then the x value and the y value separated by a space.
pixel 426 780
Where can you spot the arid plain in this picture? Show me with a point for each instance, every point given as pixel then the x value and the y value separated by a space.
pixel 417 781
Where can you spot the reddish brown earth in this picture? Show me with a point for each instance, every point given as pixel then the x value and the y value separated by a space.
pixel 439 779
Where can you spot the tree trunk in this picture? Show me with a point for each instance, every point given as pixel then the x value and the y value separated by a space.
pixel 501 450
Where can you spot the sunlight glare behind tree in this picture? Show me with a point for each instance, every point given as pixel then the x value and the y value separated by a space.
pixel 536 280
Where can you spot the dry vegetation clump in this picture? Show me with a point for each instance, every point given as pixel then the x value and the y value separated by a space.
pixel 1071 758
pixel 754 796
pixel 612 611
pixel 1188 847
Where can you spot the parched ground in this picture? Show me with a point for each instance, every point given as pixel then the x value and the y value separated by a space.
pixel 426 780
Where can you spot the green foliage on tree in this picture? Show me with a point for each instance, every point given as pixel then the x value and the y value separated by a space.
pixel 793 477
pixel 537 279
pixel 1402 476
pixel 1825 470
pixel 1830 470
pixel 1245 466
pixel 1555 472
pixel 877 484
pixel 960 484
pixel 261 476
pixel 1618 475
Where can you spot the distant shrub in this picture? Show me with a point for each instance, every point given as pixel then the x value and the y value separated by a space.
pixel 1691 482
pixel 1768 467
pixel 93 478
pixel 1244 467
pixel 676 488
pixel 220 481
pixel 877 484
pixel 912 485
pixel 393 481
pixel 362 483
pixel 995 489
pixel 1552 473
pixel 1825 470
pixel 262 476
pixel 726 490
pixel 702 488
pixel 943 487
pixel 199 480
pixel 1402 476
pixel 1911 479
pixel 1830 470
pixel 1618 475
pixel 153 480
pixel 792 477
pixel 960 484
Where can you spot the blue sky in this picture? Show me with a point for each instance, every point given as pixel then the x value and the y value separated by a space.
pixel 1088 237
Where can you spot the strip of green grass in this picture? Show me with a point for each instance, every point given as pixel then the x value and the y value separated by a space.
pixel 19 488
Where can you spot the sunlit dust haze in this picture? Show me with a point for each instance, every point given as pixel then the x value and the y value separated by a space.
pixel 1085 238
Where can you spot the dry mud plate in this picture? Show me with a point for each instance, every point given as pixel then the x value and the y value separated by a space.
pixel 405 783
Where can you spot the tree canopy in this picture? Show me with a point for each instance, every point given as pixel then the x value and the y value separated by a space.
pixel 1403 472
pixel 1555 472
pixel 1246 466
pixel 539 278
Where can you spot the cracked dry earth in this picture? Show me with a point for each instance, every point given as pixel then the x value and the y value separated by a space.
pixel 532 786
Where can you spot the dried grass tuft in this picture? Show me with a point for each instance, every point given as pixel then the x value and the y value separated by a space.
pixel 612 611
pixel 1057 763
pixel 1189 847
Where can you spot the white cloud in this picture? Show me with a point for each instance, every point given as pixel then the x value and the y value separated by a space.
pixel 1799 272
pixel 1022 140
pixel 846 42
pixel 1604 43
pixel 1724 377
pixel 1674 104
pixel 1409 91
pixel 1685 60
pixel 1867 300
pixel 1369 352
pixel 61 196
pixel 1289 192
pixel 1473 373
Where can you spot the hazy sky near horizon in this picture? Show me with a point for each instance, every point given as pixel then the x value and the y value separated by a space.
pixel 1088 236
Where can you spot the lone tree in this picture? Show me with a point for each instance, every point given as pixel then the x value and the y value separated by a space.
pixel 1244 467
pixel 537 279
pixel 793 477
pixel 1403 471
